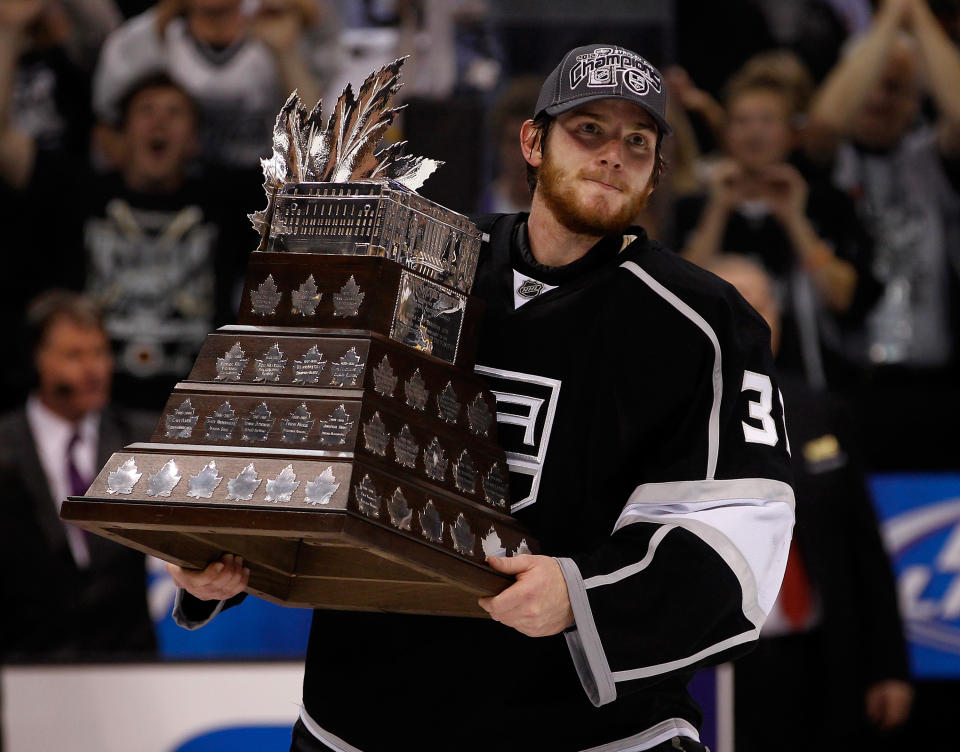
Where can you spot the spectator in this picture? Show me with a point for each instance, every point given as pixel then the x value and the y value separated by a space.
pixel 803 232
pixel 830 671
pixel 46 92
pixel 509 191
pixel 903 173
pixel 238 65
pixel 66 595
pixel 162 251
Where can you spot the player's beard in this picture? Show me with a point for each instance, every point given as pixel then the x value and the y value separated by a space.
pixel 579 215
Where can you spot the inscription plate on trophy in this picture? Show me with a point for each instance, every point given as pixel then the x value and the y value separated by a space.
pixel 347 301
pixel 334 429
pixel 447 405
pixel 281 488
pixel 265 298
pixel 347 369
pixel 428 317
pixel 479 417
pixel 401 515
pixel 384 378
pixel 367 498
pixel 435 460
pixel 495 486
pixel 231 365
pixel 307 370
pixel 406 448
pixel 375 436
pixel 221 422
pixel 463 538
pixel 164 480
pixel 257 424
pixel 415 391
pixel 430 523
pixel 269 368
pixel 243 486
pixel 305 299
pixel 464 474
pixel 297 425
pixel 181 421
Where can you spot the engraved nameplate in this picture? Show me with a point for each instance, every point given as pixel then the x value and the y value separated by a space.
pixel 334 429
pixel 347 369
pixel 307 370
pixel 479 417
pixel 448 408
pixel 231 365
pixel 347 302
pixel 406 448
pixel 415 390
pixel 304 299
pixel 181 421
pixel 322 488
pixel 435 460
pixel 272 364
pixel 243 486
pixel 367 499
pixel 264 299
pixel 297 425
pixel 428 317
pixel 257 424
pixel 401 515
pixel 220 423
pixel 375 436
pixel 384 378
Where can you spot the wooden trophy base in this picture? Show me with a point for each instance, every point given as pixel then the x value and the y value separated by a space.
pixel 299 558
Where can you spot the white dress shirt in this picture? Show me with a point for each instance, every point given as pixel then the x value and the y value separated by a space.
pixel 51 435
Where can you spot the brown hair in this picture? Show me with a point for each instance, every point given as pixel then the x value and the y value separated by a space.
pixel 52 305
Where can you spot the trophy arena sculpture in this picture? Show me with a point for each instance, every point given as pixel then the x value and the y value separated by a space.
pixel 336 437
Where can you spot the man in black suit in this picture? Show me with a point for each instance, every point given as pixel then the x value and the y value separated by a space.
pixel 830 670
pixel 66 595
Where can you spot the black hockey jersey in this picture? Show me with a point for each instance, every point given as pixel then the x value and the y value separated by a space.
pixel 647 451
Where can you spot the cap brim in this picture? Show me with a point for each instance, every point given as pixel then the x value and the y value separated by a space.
pixel 559 109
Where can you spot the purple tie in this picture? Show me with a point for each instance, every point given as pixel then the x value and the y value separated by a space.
pixel 78 484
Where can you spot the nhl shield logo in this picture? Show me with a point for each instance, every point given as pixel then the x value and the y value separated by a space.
pixel 530 288
pixel 526 405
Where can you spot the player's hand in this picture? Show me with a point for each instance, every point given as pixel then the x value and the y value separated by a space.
pixel 221 579
pixel 888 703
pixel 537 604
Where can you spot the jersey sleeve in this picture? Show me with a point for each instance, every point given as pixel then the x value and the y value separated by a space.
pixel 695 558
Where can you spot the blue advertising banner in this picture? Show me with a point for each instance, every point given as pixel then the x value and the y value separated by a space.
pixel 920 519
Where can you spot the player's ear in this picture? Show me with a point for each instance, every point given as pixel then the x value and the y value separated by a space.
pixel 530 143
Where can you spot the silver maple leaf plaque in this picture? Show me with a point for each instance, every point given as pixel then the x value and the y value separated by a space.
pixel 406 448
pixel 307 370
pixel 305 299
pixel 430 523
pixel 220 423
pixel 401 515
pixel 281 488
pixel 243 486
pixel 375 436
pixel 384 378
pixel 435 460
pixel 464 540
pixel 231 365
pixel 296 426
pixel 492 545
pixel 256 426
pixel 448 407
pixel 415 390
pixel 203 484
pixel 124 478
pixel 464 474
pixel 495 486
pixel 265 299
pixel 367 499
pixel 335 428
pixel 522 548
pixel 347 302
pixel 347 369
pixel 269 368
pixel 181 421
pixel 479 418
pixel 322 488
pixel 164 480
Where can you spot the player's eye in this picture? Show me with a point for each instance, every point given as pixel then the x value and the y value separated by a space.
pixel 589 127
pixel 637 139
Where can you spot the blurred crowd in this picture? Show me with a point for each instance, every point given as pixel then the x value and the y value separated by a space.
pixel 818 141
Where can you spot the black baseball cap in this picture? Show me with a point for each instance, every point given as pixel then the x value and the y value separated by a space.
pixel 604 71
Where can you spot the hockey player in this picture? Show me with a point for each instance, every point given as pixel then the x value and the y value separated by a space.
pixel 647 436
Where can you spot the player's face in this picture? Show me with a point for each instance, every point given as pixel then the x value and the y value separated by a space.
pixel 159 134
pixel 597 173
pixel 758 129
pixel 74 366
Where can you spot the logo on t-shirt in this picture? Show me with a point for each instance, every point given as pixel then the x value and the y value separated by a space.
pixel 526 405
pixel 527 288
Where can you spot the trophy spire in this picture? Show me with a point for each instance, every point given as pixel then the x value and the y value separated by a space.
pixel 306 150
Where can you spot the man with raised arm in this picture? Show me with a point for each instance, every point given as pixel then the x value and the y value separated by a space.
pixel 637 390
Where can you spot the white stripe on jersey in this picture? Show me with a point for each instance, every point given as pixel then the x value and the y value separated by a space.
pixel 713 427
